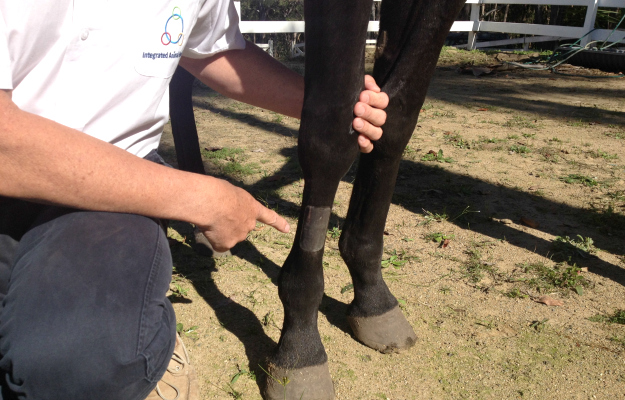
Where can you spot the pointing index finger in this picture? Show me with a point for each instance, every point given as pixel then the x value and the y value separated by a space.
pixel 271 218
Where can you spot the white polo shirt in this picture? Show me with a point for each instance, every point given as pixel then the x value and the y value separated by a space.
pixel 103 66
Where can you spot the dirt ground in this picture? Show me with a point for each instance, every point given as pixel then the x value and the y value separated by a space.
pixel 512 188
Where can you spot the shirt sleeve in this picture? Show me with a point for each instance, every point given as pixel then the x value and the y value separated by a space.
pixel 6 76
pixel 216 30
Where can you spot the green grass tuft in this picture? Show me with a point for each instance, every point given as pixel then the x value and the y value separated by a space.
pixel 581 179
pixel 618 317
pixel 433 156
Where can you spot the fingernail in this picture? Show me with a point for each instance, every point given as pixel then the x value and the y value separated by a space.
pixel 365 98
pixel 359 109
pixel 358 124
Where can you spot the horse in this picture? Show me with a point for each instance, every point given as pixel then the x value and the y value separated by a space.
pixel 412 33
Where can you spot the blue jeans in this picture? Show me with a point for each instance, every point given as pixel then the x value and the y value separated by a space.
pixel 84 313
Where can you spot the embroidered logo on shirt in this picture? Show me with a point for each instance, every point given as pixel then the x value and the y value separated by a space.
pixel 167 37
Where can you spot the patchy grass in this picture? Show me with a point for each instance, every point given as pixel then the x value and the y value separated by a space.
pixel 515 293
pixel 520 122
pixel 410 153
pixel 519 149
pixel 615 135
pixel 602 154
pixel 568 248
pixel 430 217
pixel 579 179
pixel 236 168
pixel 230 161
pixel 225 154
pixel 397 259
pixel 438 237
pixel 544 279
pixel 187 332
pixel 438 157
pixel 617 317
pixel 457 140
pixel 607 218
pixel 334 233
pixel 444 114
pixel 476 268
pixel 177 292
pixel 550 154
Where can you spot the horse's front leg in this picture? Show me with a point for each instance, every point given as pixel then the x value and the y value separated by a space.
pixel 412 33
pixel 327 146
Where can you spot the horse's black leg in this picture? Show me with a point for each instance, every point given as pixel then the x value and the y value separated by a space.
pixel 183 122
pixel 335 39
pixel 411 36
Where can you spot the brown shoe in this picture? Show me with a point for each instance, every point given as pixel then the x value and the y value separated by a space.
pixel 179 381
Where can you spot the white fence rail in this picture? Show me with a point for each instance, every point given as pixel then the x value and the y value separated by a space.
pixel 553 31
pixel 535 32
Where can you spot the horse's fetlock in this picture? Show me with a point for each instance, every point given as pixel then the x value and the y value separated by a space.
pixel 358 250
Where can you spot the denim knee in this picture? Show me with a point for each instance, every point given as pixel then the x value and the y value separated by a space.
pixel 86 316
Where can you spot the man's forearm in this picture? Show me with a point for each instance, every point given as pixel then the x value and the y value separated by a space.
pixel 43 161
pixel 252 76
pixel 48 162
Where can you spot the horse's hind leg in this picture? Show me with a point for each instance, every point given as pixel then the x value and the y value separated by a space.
pixel 411 36
pixel 186 142
pixel 335 39
pixel 183 122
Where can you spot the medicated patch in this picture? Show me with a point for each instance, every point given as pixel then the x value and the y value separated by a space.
pixel 314 230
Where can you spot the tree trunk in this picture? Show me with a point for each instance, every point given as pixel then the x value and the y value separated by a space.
pixel 538 17
pixel 555 15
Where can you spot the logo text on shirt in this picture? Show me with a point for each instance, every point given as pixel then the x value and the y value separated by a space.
pixel 154 56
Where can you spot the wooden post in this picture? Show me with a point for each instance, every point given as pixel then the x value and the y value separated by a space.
pixel 237 5
pixel 475 17
pixel 589 22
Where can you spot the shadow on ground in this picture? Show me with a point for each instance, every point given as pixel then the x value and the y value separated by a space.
pixel 425 187
pixel 234 317
pixel 547 101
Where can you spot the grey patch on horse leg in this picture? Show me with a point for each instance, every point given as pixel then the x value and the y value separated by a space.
pixel 381 44
pixel 314 229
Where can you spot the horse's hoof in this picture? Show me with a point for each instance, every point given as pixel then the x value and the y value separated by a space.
pixel 203 247
pixel 308 383
pixel 387 333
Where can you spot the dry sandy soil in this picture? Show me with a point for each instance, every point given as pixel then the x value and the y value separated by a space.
pixel 526 200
